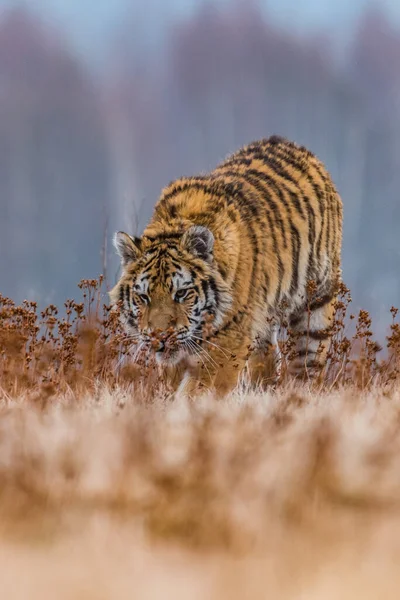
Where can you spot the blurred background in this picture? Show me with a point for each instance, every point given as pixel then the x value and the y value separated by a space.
pixel 103 102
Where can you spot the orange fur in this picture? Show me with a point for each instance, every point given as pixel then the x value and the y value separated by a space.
pixel 245 240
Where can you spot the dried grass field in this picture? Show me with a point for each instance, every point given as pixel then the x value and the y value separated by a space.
pixel 112 489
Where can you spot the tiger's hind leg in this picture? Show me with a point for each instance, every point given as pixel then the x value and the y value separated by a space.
pixel 264 363
pixel 311 329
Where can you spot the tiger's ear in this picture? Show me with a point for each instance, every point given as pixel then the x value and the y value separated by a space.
pixel 199 240
pixel 128 248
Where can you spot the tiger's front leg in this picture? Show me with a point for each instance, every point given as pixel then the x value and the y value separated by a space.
pixel 218 366
pixel 220 382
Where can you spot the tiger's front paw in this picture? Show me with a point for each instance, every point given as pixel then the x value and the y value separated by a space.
pixel 192 388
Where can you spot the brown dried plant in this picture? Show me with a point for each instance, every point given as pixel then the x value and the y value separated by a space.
pixel 48 352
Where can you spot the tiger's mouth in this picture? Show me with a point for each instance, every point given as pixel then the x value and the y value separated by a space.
pixel 170 351
pixel 169 355
pixel 169 359
pixel 166 349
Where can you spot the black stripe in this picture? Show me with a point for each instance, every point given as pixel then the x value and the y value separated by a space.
pixel 275 163
pixel 328 230
pixel 255 183
pixel 316 334
pixel 175 263
pixel 163 235
pixel 259 175
pixel 296 245
pixel 204 287
pixel 235 160
pixel 334 215
pixel 294 321
pixel 248 203
pixel 321 301
pixel 213 286
pixel 311 240
pixel 223 272
pixel 304 168
pixel 236 320
pixel 256 179
pixel 305 352
pixel 265 287
pixel 295 235
pixel 154 256
pixel 321 197
pixel 188 185
pixel 277 139
pixel 245 207
pixel 172 209
pixel 127 294
pixel 149 265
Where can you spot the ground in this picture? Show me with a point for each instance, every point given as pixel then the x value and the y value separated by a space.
pixel 274 495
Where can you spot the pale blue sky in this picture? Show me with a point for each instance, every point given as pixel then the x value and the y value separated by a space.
pixel 89 23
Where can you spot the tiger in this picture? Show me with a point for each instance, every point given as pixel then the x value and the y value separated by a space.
pixel 226 259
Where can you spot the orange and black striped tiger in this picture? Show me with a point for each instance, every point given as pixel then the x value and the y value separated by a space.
pixel 236 248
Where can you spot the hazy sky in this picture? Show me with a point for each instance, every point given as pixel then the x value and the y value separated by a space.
pixel 90 22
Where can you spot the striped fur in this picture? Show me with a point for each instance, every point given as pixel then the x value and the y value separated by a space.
pixel 245 240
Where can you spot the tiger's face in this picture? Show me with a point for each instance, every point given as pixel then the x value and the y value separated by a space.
pixel 169 291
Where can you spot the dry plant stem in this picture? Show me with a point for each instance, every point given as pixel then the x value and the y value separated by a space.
pixel 83 346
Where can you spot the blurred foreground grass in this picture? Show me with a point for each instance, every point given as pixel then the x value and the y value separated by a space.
pixel 291 495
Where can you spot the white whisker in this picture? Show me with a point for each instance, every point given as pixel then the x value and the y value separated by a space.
pixel 135 355
pixel 137 351
pixel 206 354
pixel 190 344
pixel 211 344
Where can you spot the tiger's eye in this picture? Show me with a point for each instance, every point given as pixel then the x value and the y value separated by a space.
pixel 144 298
pixel 181 294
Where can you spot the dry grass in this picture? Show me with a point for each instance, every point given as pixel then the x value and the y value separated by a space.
pixel 286 496
pixel 111 489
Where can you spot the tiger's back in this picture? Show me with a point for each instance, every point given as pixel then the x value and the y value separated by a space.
pixel 276 222
pixel 295 204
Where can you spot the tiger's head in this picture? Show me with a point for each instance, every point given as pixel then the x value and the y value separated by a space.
pixel 170 290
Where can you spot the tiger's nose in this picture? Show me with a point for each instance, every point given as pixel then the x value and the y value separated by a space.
pixel 157 333
pixel 159 338
pixel 160 320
